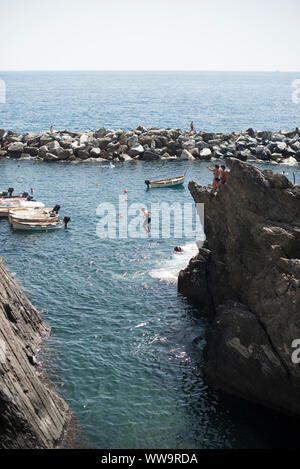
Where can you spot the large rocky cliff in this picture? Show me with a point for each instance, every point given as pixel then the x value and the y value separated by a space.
pixel 32 415
pixel 247 276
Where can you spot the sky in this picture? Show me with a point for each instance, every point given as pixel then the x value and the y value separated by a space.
pixel 246 35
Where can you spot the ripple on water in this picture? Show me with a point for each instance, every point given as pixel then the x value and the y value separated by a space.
pixel 126 348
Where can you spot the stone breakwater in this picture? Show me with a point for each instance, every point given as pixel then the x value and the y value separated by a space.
pixel 148 144
pixel 247 278
pixel 32 414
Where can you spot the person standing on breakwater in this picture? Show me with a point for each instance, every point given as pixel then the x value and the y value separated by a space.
pixel 147 215
pixel 216 179
pixel 192 126
pixel 51 129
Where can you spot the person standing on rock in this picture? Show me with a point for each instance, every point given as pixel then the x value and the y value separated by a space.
pixel 51 129
pixel 192 126
pixel 223 175
pixel 216 179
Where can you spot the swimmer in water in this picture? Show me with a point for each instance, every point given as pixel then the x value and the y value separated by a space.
pixel 147 215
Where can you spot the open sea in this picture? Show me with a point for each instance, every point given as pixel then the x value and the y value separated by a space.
pixel 126 348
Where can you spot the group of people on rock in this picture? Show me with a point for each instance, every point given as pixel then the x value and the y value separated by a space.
pixel 220 176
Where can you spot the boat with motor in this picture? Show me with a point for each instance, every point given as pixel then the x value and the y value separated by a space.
pixel 8 194
pixel 34 214
pixel 7 204
pixel 45 225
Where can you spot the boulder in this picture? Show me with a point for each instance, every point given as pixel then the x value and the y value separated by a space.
pixel 133 141
pixel 44 139
pixel 95 152
pixel 43 151
pixel 205 154
pixel 136 150
pixel 186 155
pixel 32 151
pixel 149 156
pixel 100 133
pixel 15 150
pixel 50 157
pixel 124 157
pixel 54 148
pixel 263 153
pixel 16 147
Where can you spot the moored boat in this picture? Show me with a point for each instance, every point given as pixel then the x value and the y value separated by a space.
pixel 171 182
pixel 7 204
pixel 33 214
pixel 36 226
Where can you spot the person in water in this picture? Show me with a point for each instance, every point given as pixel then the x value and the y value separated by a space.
pixel 147 215
pixel 217 178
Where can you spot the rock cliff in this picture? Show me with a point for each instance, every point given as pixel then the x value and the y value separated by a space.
pixel 247 276
pixel 32 415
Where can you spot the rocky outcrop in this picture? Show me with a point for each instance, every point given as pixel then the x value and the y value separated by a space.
pixel 150 143
pixel 32 414
pixel 247 277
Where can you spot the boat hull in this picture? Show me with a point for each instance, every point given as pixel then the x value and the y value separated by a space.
pixel 172 182
pixel 31 226
pixel 168 184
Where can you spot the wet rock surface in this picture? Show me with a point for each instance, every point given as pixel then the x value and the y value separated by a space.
pixel 32 414
pixel 247 277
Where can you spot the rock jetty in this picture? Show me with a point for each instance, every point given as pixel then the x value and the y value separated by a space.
pixel 247 278
pixel 32 414
pixel 149 144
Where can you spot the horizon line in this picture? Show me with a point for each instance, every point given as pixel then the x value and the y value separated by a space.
pixel 150 70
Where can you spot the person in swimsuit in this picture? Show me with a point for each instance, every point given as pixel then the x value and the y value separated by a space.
pixel 192 126
pixel 223 175
pixel 147 215
pixel 216 179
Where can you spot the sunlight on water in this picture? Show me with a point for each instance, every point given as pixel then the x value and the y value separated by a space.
pixel 126 348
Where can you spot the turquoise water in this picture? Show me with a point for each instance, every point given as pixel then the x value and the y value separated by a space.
pixel 215 101
pixel 123 350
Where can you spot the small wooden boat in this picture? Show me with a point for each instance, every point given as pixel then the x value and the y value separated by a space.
pixel 6 205
pixel 36 226
pixel 171 182
pixel 34 215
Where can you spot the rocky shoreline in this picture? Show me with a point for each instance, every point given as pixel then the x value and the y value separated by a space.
pixel 32 414
pixel 246 277
pixel 150 144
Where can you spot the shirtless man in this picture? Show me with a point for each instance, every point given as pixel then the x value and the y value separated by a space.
pixel 217 179
pixel 223 175
pixel 147 215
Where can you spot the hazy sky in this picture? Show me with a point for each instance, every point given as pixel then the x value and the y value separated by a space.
pixel 150 35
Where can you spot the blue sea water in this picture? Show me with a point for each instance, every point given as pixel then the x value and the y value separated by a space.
pixel 215 101
pixel 126 348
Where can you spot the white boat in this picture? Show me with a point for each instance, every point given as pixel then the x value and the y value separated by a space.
pixel 31 214
pixel 6 205
pixel 171 182
pixel 36 226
